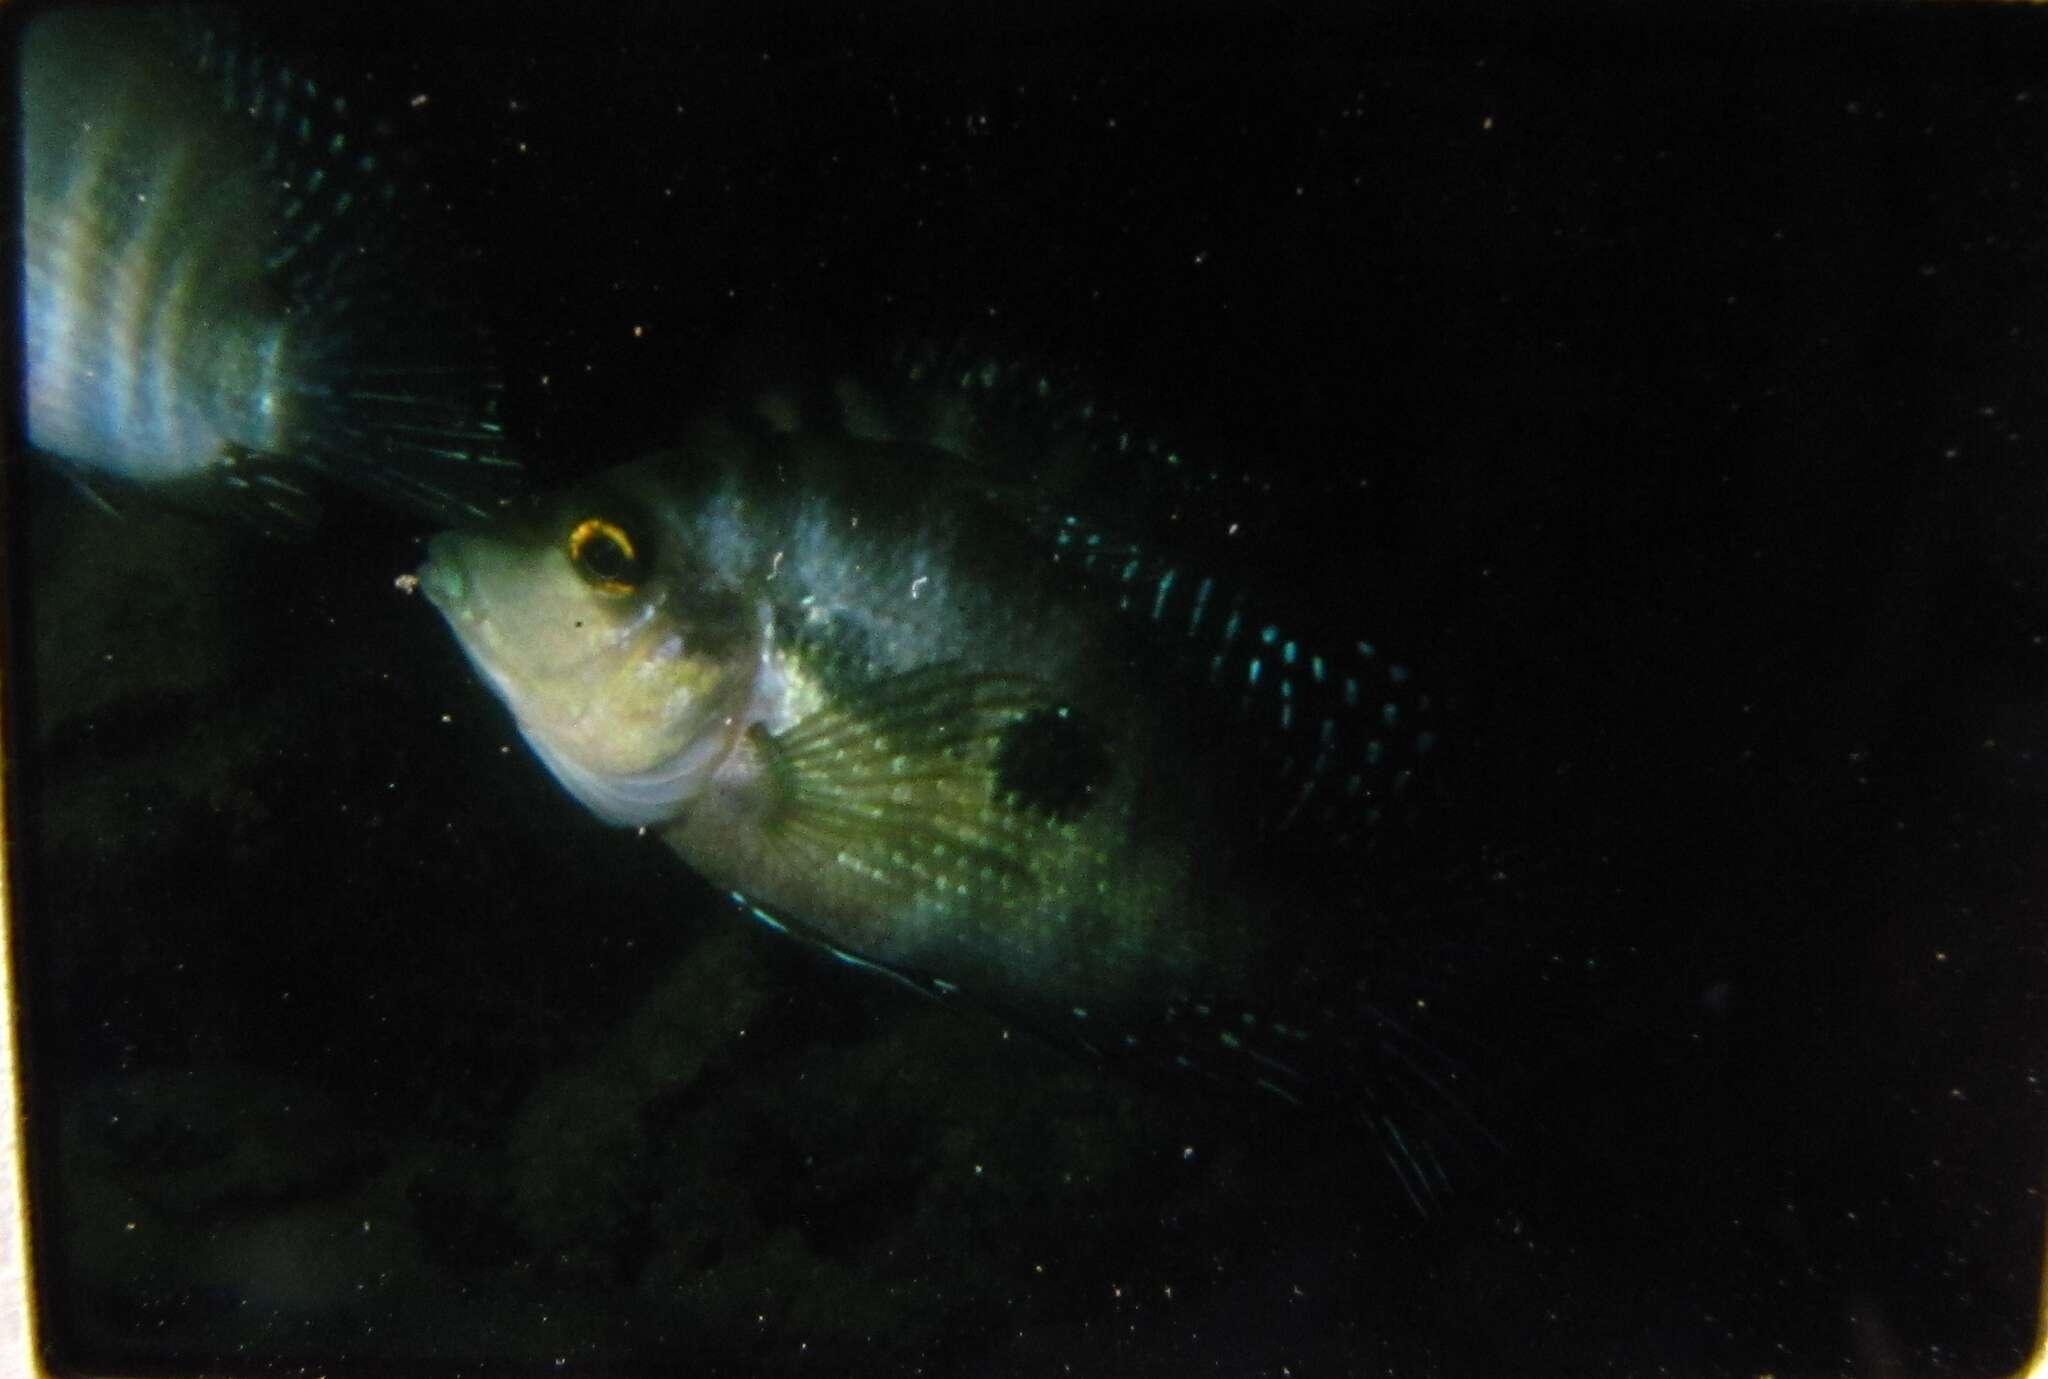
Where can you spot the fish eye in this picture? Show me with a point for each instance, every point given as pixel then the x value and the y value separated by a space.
pixel 603 554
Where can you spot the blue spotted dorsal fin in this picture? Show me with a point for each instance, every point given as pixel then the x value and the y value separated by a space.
pixel 1347 727
pixel 1343 725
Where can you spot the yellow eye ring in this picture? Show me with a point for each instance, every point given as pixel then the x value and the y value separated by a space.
pixel 603 554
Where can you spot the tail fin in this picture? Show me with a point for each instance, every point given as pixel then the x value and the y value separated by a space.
pixel 387 379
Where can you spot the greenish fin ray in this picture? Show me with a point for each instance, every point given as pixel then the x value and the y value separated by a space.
pixel 899 784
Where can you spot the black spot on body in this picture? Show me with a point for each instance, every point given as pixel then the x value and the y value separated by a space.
pixel 1052 761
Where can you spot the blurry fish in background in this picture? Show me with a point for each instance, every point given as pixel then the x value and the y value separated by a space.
pixel 861 661
pixel 227 283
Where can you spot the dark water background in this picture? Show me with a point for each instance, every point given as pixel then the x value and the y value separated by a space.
pixel 1669 388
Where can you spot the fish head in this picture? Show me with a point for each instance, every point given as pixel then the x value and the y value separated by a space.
pixel 629 667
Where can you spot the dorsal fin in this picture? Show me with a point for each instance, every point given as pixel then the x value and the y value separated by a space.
pixel 1343 725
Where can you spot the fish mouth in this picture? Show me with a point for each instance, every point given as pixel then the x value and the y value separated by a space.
pixel 452 592
pixel 442 579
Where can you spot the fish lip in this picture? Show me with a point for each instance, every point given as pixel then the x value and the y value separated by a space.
pixel 453 593
pixel 445 583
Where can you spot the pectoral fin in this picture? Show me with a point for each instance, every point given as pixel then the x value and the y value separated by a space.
pixel 904 783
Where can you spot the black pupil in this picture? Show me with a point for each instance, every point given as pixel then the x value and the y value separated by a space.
pixel 605 558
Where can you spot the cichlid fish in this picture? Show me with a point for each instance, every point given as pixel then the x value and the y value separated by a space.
pixel 899 699
pixel 223 268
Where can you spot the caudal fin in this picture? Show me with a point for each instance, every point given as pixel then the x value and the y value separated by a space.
pixel 387 380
